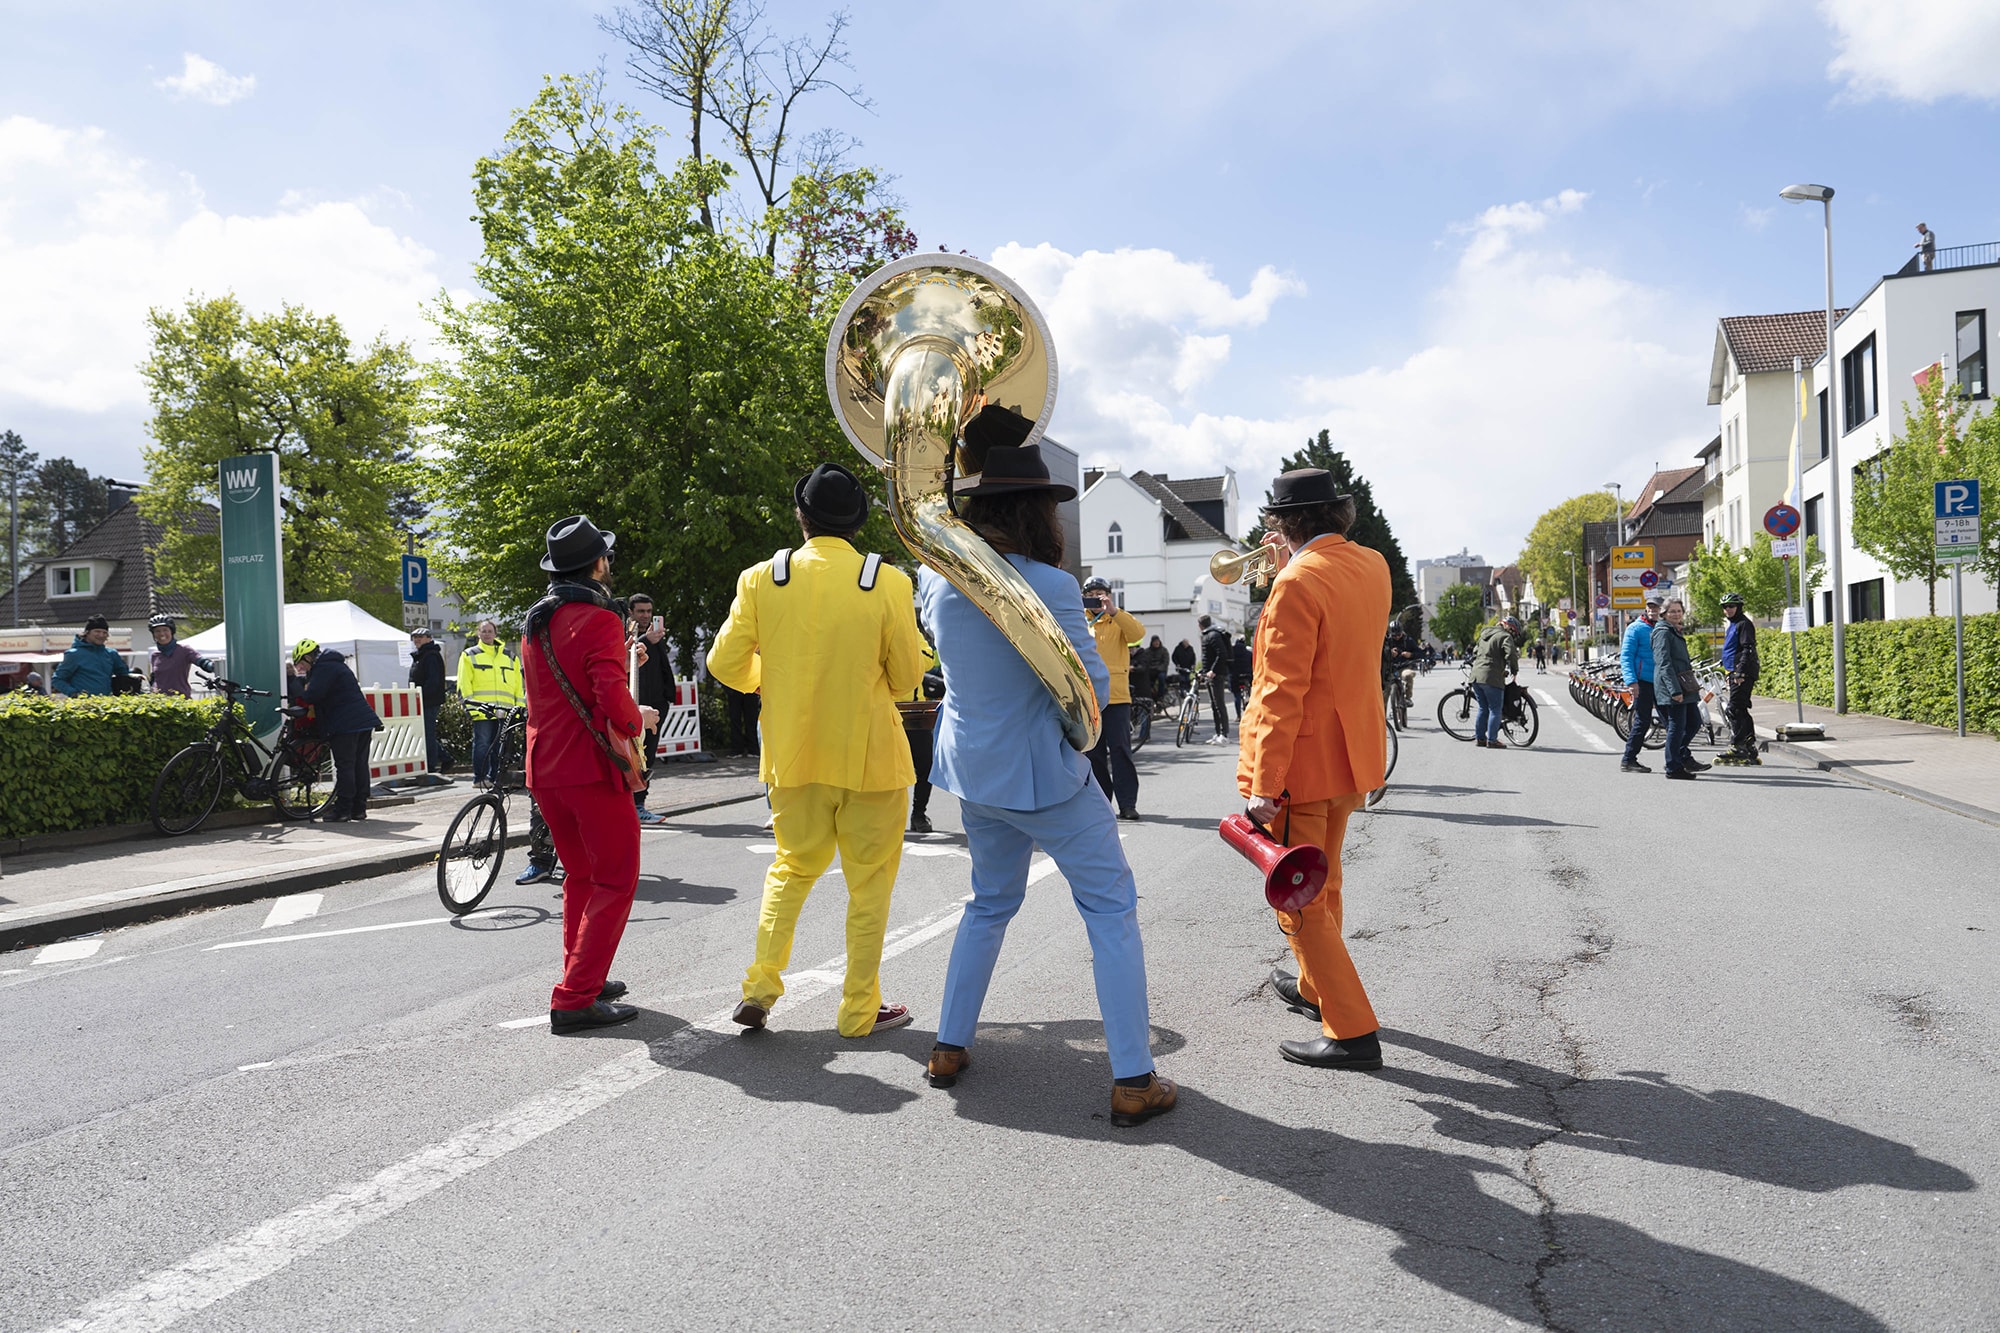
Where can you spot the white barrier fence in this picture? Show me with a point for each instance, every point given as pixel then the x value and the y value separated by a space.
pixel 680 724
pixel 398 750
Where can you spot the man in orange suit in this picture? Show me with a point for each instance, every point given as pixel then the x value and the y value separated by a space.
pixel 1314 741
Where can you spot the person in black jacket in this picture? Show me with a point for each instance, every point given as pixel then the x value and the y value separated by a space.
pixel 427 674
pixel 657 687
pixel 1215 660
pixel 345 719
pixel 1184 660
pixel 1241 667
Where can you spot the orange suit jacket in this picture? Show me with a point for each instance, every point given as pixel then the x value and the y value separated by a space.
pixel 1314 727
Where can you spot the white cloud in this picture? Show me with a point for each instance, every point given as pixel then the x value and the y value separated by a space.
pixel 1920 52
pixel 202 80
pixel 91 238
pixel 1542 377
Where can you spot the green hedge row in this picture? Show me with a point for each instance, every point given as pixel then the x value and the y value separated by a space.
pixel 1895 668
pixel 89 762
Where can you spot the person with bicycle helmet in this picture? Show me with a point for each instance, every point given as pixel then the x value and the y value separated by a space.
pixel 345 720
pixel 1739 659
pixel 1117 632
pixel 170 661
pixel 1495 660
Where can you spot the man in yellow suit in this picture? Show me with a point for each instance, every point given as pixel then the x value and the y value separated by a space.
pixel 1117 633
pixel 829 638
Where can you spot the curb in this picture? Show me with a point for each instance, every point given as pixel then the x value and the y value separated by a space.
pixel 71 839
pixel 1843 769
pixel 110 916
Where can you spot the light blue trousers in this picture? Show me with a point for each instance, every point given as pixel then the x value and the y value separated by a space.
pixel 1081 837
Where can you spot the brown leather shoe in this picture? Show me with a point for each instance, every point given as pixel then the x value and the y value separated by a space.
pixel 1132 1106
pixel 945 1066
pixel 750 1015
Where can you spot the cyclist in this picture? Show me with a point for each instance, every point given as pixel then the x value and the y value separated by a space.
pixel 1184 659
pixel 345 719
pixel 1496 658
pixel 1739 659
pixel 89 667
pixel 170 660
pixel 1215 670
pixel 1399 654
pixel 488 674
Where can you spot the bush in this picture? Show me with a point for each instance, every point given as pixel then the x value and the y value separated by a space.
pixel 1895 668
pixel 91 761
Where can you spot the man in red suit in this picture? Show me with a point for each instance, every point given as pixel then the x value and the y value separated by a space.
pixel 574 665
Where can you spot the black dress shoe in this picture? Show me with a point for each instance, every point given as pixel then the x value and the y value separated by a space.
pixel 598 1015
pixel 921 824
pixel 612 990
pixel 1323 1052
pixel 1680 775
pixel 1698 766
pixel 333 819
pixel 1129 815
pixel 1287 987
pixel 1633 766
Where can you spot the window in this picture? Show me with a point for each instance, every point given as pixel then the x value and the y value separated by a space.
pixel 1864 600
pixel 1971 348
pixel 1826 607
pixel 1825 444
pixel 1857 385
pixel 1812 516
pixel 1118 593
pixel 70 581
pixel 1114 541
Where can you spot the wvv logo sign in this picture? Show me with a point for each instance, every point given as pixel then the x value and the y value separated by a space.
pixel 242 484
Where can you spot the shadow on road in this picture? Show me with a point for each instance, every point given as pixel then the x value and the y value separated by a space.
pixel 1488 820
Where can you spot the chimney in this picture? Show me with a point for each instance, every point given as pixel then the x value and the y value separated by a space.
pixel 122 493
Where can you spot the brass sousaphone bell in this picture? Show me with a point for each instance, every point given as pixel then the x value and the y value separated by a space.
pixel 919 349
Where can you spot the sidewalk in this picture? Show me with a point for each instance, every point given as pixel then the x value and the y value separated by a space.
pixel 72 890
pixel 1924 763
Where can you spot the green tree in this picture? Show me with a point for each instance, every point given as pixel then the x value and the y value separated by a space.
pixel 1981 454
pixel 225 383
pixel 627 363
pixel 1371 526
pixel 69 502
pixel 1893 498
pixel 1760 576
pixel 1558 530
pixel 18 465
pixel 1460 610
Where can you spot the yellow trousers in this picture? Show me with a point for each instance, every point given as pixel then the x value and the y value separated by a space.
pixel 811 823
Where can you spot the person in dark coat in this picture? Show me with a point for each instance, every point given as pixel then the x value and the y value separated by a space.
pixel 345 719
pixel 427 674
pixel 1215 668
pixel 657 688
pixel 1241 667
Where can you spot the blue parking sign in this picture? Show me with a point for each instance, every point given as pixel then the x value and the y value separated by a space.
pixel 1957 499
pixel 416 579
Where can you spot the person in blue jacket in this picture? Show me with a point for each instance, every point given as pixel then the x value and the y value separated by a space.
pixel 1000 750
pixel 89 666
pixel 1635 659
pixel 345 719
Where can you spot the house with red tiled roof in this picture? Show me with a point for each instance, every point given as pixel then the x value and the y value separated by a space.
pixel 1750 382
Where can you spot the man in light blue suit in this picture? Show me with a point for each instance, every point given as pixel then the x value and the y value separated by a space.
pixel 1000 750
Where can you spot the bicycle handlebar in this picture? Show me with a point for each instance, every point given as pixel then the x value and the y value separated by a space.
pixel 232 688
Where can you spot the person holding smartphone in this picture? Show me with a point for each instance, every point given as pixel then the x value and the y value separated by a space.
pixel 1117 632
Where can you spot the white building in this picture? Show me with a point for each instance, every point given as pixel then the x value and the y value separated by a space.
pixel 1434 576
pixel 1909 321
pixel 1750 382
pixel 1152 536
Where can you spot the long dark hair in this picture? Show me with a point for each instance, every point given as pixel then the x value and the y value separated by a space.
pixel 1023 522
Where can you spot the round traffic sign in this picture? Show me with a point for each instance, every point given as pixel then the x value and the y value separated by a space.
pixel 1602 601
pixel 1649 579
pixel 1781 520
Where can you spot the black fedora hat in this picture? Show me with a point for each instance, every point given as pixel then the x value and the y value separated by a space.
pixel 1306 486
pixel 1011 468
pixel 831 497
pixel 575 543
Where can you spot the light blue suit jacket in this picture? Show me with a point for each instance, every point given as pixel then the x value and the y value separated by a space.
pixel 999 737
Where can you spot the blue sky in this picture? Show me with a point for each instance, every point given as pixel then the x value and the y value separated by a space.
pixel 1485 243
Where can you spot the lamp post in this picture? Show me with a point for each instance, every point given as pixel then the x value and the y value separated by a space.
pixel 1571 627
pixel 1823 194
pixel 1618 494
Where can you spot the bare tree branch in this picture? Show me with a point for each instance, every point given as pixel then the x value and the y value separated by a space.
pixel 674 47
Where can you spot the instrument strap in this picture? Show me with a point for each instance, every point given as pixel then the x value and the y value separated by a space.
pixel 583 714
pixel 781 567
pixel 870 567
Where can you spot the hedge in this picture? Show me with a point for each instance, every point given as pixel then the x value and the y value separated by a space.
pixel 88 762
pixel 1895 668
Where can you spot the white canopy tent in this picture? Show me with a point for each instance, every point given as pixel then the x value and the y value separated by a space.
pixel 378 652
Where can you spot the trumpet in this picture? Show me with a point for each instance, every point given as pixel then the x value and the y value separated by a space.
pixel 1259 566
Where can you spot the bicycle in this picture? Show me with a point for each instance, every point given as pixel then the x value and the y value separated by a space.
pixel 1188 716
pixel 475 842
pixel 295 776
pixel 1396 692
pixel 1520 720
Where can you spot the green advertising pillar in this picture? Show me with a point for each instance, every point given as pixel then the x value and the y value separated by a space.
pixel 253 583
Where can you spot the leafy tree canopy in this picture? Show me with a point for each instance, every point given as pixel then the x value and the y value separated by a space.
pixel 1460 610
pixel 1753 571
pixel 1893 497
pixel 1558 530
pixel 1371 526
pixel 225 383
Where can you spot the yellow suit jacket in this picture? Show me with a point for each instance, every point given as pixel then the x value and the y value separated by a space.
pixel 1116 631
pixel 830 658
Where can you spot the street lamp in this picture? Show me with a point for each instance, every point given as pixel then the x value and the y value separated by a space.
pixel 1823 194
pixel 1618 494
pixel 1571 627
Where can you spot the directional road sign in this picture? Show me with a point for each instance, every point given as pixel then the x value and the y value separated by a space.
pixel 1781 520
pixel 1957 518
pixel 1649 579
pixel 1629 566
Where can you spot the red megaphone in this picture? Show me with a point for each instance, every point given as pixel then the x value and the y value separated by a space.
pixel 1293 876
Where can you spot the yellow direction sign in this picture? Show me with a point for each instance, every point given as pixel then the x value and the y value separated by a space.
pixel 1628 564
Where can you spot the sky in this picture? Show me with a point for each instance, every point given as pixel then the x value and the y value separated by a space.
pixel 1483 242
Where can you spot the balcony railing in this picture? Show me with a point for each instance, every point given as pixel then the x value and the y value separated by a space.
pixel 1954 256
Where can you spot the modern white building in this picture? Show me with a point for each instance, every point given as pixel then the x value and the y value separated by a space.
pixel 1434 576
pixel 1750 382
pixel 1151 536
pixel 1908 322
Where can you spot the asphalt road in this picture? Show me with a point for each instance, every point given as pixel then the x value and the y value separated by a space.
pixel 1715 1055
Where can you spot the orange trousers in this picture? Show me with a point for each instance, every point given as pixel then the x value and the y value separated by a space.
pixel 1326 974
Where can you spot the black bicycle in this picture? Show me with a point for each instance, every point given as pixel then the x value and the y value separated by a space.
pixel 475 843
pixel 1520 720
pixel 296 775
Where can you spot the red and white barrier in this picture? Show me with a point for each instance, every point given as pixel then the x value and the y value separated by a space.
pixel 398 750
pixel 680 724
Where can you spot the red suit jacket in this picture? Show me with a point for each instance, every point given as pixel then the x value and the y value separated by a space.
pixel 590 646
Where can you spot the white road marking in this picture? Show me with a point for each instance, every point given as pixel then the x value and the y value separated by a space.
pixel 1590 737
pixel 69 951
pixel 293 908
pixel 353 930
pixel 1041 870
pixel 258 872
pixel 164 1298
pixel 928 849
pixel 523 1022
pixel 261 1064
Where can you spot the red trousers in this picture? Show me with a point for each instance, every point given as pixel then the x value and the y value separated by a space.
pixel 596 832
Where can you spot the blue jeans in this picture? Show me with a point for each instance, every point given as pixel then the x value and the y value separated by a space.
pixel 1643 706
pixel 1492 706
pixel 485 731
pixel 1081 836
pixel 1680 727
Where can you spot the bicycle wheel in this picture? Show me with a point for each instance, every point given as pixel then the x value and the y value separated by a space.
pixel 1395 747
pixel 1402 709
pixel 1455 714
pixel 1523 732
pixel 187 789
pixel 474 847
pixel 1621 721
pixel 1142 725
pixel 302 780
